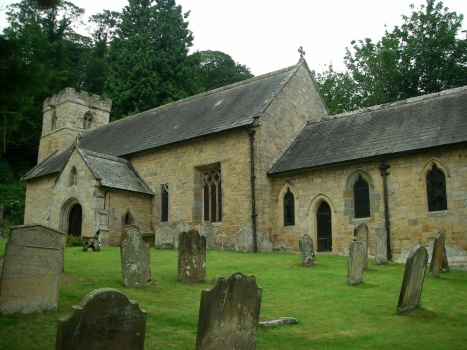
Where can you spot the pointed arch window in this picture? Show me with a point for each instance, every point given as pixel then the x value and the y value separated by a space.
pixel 87 120
pixel 164 202
pixel 129 220
pixel 212 195
pixel 361 197
pixel 436 190
pixel 73 176
pixel 289 208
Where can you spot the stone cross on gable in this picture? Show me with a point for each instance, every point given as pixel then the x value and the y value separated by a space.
pixel 301 52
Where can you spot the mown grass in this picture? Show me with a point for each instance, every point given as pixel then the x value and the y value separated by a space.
pixel 330 314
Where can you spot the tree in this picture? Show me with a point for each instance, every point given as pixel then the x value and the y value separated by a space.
pixel 424 55
pixel 148 58
pixel 216 69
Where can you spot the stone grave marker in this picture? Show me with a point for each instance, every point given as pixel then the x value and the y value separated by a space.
pixel 412 283
pixel 244 240
pixel 229 313
pixel 356 261
pixel 179 227
pixel 362 231
pixel 438 259
pixel 164 236
pixel 192 257
pixel 381 244
pixel 206 229
pixel 32 268
pixel 307 250
pixel 134 253
pixel 105 319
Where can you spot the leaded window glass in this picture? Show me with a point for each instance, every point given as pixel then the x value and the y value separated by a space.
pixel 436 189
pixel 212 195
pixel 361 195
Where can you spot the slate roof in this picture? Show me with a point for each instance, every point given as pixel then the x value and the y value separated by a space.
pixel 230 107
pixel 406 126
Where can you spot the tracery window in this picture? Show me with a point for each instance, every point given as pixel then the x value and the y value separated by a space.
pixel 164 202
pixel 361 197
pixel 289 208
pixel 212 194
pixel 87 120
pixel 73 176
pixel 436 189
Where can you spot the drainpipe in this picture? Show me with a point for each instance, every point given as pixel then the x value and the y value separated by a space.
pixel 252 132
pixel 383 168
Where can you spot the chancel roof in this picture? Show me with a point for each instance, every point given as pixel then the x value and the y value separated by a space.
pixel 406 126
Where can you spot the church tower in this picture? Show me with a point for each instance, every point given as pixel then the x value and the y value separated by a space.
pixel 67 115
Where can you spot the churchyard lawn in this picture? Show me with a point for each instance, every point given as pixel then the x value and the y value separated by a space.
pixel 330 313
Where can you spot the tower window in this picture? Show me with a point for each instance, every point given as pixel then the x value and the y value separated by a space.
pixel 87 120
pixel 436 189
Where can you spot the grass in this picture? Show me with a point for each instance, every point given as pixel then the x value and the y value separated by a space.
pixel 330 314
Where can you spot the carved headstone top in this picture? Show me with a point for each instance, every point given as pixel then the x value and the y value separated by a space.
pixel 229 313
pixel 412 284
pixel 105 319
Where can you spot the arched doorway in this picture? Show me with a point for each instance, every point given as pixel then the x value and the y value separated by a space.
pixel 75 220
pixel 324 227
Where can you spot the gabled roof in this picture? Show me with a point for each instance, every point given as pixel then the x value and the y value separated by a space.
pixel 230 107
pixel 405 126
pixel 114 172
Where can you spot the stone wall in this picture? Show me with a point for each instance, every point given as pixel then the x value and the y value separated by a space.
pixel 411 224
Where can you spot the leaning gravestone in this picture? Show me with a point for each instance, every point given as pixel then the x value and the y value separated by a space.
pixel 206 229
pixel 412 283
pixel 229 313
pixel 31 270
pixel 134 253
pixel 438 257
pixel 105 319
pixel 307 250
pixel 164 236
pixel 362 231
pixel 356 261
pixel 179 227
pixel 192 257
pixel 381 244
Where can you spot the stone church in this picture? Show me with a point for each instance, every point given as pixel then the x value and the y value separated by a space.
pixel 261 156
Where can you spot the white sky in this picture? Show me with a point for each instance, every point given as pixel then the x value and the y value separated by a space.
pixel 265 34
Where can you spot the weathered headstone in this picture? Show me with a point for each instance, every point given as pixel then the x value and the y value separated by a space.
pixel 381 244
pixel 192 257
pixel 412 283
pixel 206 229
pixel 244 240
pixel 438 259
pixel 31 270
pixel 229 313
pixel 164 236
pixel 134 252
pixel 362 231
pixel 179 227
pixel 307 250
pixel 105 319
pixel 356 261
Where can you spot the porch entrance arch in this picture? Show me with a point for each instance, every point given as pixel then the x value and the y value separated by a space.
pixel 324 227
pixel 71 220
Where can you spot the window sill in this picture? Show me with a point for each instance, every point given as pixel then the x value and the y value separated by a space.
pixel 435 214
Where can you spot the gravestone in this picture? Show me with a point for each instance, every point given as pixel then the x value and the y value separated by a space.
pixel 244 240
pixel 229 313
pixel 105 319
pixel 356 261
pixel 307 250
pixel 438 259
pixel 381 244
pixel 206 229
pixel 179 227
pixel 32 267
pixel 412 283
pixel 134 253
pixel 164 236
pixel 192 257
pixel 362 231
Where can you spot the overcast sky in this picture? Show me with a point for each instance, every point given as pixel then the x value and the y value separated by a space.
pixel 265 34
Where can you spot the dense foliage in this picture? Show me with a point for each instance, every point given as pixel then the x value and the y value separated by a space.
pixel 426 54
